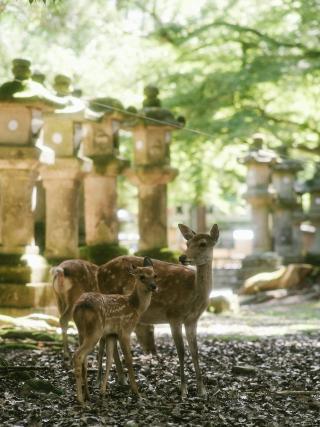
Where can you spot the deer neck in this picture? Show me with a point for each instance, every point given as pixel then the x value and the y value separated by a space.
pixel 204 279
pixel 140 299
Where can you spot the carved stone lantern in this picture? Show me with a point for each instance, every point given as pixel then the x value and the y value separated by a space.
pixel 287 209
pixel 152 128
pixel 313 187
pixel 260 197
pixel 22 102
pixel 101 144
pixel 63 133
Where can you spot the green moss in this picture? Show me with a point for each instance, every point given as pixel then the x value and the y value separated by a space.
pixel 12 260
pixel 100 254
pixel 163 254
pixel 22 334
pixel 17 274
pixel 18 346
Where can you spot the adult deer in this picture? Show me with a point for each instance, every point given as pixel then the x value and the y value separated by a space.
pixel 182 296
pixel 111 317
pixel 70 279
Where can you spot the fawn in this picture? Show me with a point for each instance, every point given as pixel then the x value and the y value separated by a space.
pixel 111 317
pixel 182 295
pixel 71 279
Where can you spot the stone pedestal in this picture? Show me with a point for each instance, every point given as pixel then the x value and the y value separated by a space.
pixel 287 211
pixel 61 183
pixel 22 102
pixel 101 144
pixel 260 197
pixel 152 193
pixel 151 170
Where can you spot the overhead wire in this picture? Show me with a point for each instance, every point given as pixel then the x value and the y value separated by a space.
pixel 181 127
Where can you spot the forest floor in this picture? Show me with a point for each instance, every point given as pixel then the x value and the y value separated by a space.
pixel 261 369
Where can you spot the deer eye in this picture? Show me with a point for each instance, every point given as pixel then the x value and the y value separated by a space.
pixel 155 276
pixel 141 276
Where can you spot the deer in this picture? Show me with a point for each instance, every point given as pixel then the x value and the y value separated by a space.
pixel 70 279
pixel 111 317
pixel 183 294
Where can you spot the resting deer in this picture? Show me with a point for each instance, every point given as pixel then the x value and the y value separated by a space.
pixel 110 317
pixel 71 279
pixel 182 295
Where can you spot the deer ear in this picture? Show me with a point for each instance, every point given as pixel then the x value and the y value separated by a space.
pixel 214 232
pixel 186 231
pixel 147 262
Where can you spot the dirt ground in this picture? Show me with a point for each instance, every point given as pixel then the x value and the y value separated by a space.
pixel 261 368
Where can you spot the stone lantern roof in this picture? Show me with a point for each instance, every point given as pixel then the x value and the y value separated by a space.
pixel 153 114
pixel 24 90
pixel 284 163
pixel 104 106
pixel 258 154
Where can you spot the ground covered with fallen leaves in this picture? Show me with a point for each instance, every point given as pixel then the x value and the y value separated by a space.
pixel 250 382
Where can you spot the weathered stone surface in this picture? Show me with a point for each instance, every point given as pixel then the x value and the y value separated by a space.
pixel 152 216
pixel 34 295
pixel 101 220
pixel 17 181
pixel 61 182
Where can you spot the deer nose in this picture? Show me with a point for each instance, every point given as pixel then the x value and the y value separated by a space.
pixel 183 259
pixel 153 286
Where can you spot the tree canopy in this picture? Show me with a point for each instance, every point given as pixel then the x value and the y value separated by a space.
pixel 231 67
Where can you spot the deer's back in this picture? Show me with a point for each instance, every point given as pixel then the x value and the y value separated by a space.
pixel 111 314
pixel 176 286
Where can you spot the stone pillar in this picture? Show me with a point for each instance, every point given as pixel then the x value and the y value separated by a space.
pixel 151 170
pixel 313 187
pixel 287 210
pixel 63 133
pixel 101 209
pixel 22 102
pixel 61 182
pixel 101 144
pixel 17 182
pixel 259 197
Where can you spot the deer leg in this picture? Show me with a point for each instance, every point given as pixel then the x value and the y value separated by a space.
pixel 120 372
pixel 145 335
pixel 85 379
pixel 64 321
pixel 102 346
pixel 125 347
pixel 176 331
pixel 110 341
pixel 191 333
pixel 80 366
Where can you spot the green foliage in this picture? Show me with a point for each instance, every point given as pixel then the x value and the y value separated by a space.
pixel 163 254
pixel 232 68
pixel 100 254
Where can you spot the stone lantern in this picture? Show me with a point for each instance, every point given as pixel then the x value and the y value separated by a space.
pixel 259 197
pixel 22 102
pixel 101 144
pixel 287 209
pixel 313 187
pixel 151 171
pixel 63 133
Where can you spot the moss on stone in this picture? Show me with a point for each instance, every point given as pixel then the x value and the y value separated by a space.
pixel 162 254
pixel 100 254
